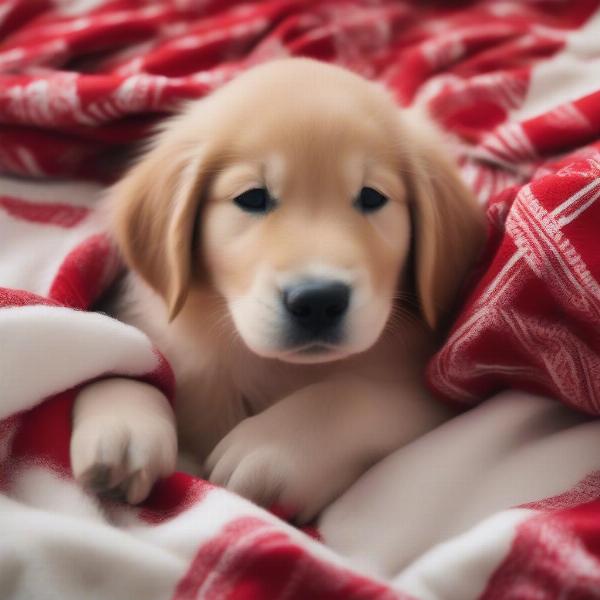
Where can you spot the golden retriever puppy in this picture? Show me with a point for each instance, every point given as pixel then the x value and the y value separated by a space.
pixel 293 241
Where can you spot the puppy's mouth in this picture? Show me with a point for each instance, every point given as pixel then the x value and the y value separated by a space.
pixel 316 352
pixel 315 349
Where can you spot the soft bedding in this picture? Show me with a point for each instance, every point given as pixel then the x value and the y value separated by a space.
pixel 501 502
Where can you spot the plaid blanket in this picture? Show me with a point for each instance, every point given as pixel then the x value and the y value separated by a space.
pixel 517 85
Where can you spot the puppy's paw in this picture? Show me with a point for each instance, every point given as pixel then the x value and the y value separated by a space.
pixel 271 469
pixel 123 439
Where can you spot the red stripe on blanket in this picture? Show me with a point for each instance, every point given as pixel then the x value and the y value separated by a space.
pixel 10 297
pixel 44 434
pixel 553 555
pixel 251 558
pixel 161 377
pixel 567 126
pixel 587 490
pixel 172 496
pixel 86 273
pixel 8 430
pixel 19 12
pixel 61 215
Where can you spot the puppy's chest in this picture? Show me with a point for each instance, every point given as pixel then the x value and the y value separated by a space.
pixel 207 407
pixel 215 393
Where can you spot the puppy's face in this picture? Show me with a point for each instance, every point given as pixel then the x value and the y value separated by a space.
pixel 294 192
pixel 305 231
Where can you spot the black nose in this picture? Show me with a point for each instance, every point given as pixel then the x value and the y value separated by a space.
pixel 317 305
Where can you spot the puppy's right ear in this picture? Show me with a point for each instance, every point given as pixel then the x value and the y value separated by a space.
pixel 153 213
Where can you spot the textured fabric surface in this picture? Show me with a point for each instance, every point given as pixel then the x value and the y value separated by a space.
pixel 81 81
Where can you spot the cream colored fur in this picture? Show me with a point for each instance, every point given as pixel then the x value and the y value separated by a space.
pixel 263 419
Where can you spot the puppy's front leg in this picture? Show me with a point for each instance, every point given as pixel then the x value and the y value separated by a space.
pixel 305 450
pixel 124 437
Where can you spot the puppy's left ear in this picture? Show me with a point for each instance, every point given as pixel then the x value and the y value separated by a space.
pixel 448 223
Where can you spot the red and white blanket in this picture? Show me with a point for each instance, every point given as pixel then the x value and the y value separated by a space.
pixel 503 501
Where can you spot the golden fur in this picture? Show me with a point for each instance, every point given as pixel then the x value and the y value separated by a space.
pixel 267 420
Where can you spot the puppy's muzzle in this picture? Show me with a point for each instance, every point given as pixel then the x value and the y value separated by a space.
pixel 316 310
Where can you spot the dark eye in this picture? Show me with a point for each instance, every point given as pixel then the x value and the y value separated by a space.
pixel 370 200
pixel 256 200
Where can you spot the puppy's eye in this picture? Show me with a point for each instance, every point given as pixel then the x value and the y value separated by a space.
pixel 370 200
pixel 256 200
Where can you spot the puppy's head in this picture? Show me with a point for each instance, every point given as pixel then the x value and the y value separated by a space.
pixel 301 195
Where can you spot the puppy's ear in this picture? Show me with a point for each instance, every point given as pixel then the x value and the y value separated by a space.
pixel 448 223
pixel 153 213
